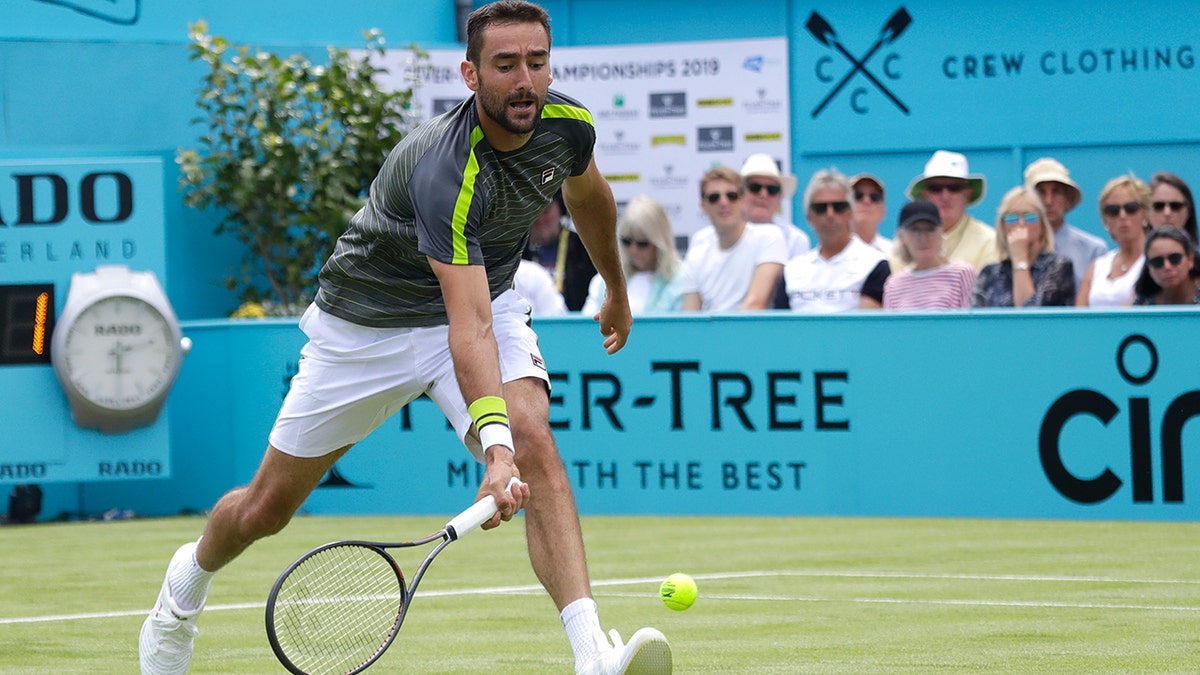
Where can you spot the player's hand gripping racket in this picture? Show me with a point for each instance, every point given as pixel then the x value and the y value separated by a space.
pixel 340 606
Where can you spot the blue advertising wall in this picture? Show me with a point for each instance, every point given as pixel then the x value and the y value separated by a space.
pixel 1041 414
pixel 105 86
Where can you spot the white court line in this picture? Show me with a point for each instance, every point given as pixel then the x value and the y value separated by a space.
pixel 629 581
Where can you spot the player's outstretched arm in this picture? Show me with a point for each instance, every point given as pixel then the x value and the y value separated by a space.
pixel 590 202
pixel 477 367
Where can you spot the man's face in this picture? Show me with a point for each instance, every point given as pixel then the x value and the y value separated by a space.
pixel 829 215
pixel 763 197
pixel 723 204
pixel 868 205
pixel 950 195
pixel 512 76
pixel 1054 196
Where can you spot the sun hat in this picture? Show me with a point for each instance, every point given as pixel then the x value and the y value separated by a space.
pixel 761 164
pixel 1049 170
pixel 919 211
pixel 946 164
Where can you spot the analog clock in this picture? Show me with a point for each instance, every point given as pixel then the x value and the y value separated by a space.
pixel 117 349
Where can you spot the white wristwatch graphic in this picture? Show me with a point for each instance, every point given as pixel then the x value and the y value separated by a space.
pixel 117 348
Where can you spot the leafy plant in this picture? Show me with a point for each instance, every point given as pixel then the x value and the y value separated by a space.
pixel 287 156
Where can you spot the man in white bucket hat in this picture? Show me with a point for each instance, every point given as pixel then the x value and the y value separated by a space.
pixel 766 188
pixel 1059 194
pixel 948 182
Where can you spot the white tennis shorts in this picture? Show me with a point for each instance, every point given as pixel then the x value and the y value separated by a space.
pixel 353 378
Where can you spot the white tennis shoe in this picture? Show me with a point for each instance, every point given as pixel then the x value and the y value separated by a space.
pixel 168 634
pixel 646 653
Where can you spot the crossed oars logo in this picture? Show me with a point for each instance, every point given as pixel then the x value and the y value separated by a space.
pixel 824 33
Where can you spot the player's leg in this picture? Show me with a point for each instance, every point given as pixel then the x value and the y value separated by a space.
pixel 556 549
pixel 262 508
pixel 551 521
pixel 350 380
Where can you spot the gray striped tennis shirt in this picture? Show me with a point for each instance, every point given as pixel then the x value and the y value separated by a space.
pixel 444 192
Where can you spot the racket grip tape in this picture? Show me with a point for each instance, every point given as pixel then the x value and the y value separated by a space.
pixel 477 514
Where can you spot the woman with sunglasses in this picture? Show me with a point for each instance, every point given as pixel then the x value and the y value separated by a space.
pixel 1169 276
pixel 649 259
pixel 1124 202
pixel 1171 203
pixel 1029 273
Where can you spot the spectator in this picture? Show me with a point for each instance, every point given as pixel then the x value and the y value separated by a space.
pixel 1059 194
pixel 766 188
pixel 841 273
pixel 554 244
pixel 731 265
pixel 534 283
pixel 1124 203
pixel 869 209
pixel 653 279
pixel 929 280
pixel 950 185
pixel 1029 273
pixel 1172 204
pixel 1169 275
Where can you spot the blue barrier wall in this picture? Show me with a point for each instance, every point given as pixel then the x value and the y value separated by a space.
pixel 1039 414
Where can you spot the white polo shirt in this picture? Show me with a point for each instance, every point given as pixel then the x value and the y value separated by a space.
pixel 817 285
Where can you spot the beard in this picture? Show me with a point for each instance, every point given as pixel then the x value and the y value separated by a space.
pixel 495 106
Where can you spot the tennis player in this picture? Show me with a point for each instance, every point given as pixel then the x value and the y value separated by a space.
pixel 417 299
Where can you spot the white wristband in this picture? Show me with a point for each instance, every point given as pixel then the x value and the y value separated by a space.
pixel 496 434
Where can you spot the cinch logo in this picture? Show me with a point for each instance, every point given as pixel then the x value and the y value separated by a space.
pixel 714 139
pixel 1089 490
pixel 820 29
pixel 668 104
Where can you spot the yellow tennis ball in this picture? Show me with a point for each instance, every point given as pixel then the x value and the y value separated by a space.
pixel 678 591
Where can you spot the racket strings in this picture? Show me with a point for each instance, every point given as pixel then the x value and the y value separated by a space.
pixel 338 609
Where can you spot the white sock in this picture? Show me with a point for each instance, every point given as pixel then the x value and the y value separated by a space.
pixel 582 621
pixel 189 582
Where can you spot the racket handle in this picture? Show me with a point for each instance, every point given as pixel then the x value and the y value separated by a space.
pixel 477 514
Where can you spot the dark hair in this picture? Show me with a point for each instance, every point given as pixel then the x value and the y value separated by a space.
pixel 501 11
pixel 1168 178
pixel 1146 286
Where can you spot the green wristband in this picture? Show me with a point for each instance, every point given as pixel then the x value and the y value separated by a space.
pixel 488 410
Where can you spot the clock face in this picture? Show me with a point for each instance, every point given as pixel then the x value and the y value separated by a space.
pixel 120 353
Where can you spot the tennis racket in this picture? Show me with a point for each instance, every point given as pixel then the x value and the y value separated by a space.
pixel 340 606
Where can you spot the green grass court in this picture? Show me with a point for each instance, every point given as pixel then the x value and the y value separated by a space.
pixel 777 595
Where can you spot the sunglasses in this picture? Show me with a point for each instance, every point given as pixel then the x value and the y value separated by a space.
pixel 757 188
pixel 1158 261
pixel 1114 210
pixel 820 208
pixel 1174 206
pixel 714 197
pixel 876 197
pixel 629 241
pixel 945 187
pixel 1012 217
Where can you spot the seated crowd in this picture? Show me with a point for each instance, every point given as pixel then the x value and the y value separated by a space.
pixel 749 257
